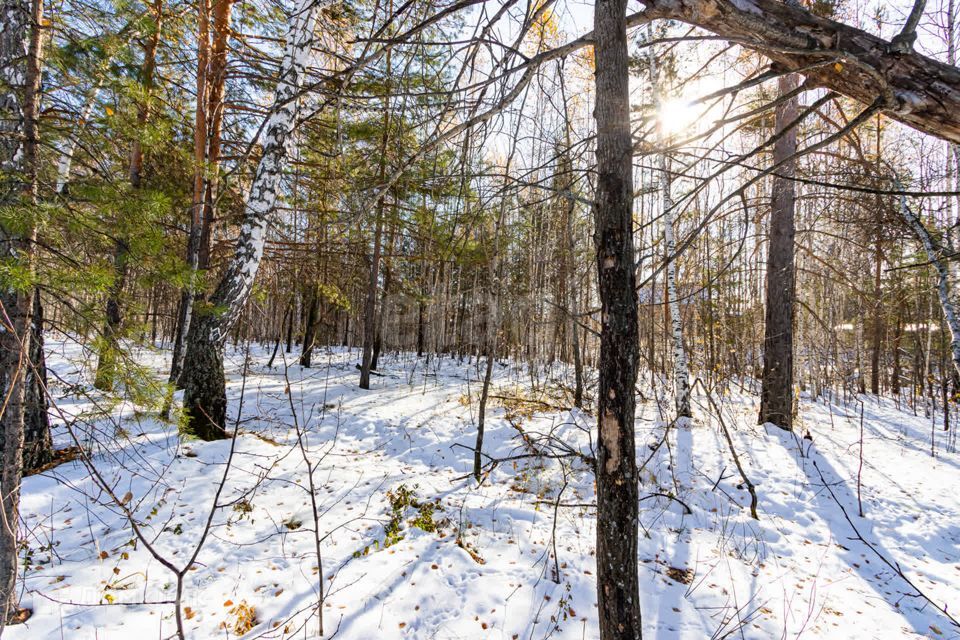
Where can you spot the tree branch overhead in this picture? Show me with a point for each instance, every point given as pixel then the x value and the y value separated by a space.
pixel 918 91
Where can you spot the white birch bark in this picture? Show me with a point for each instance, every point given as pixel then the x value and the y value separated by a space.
pixel 946 290
pixel 681 373
pixel 204 396
pixel 14 30
pixel 234 288
pixel 65 164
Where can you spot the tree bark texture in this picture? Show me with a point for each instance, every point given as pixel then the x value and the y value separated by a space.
pixel 19 94
pixel 776 394
pixel 617 490
pixel 916 90
pixel 204 397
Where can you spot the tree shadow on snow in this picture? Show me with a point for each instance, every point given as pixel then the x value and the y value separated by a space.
pixel 833 497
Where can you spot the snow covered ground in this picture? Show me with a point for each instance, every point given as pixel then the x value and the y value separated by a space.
pixel 412 547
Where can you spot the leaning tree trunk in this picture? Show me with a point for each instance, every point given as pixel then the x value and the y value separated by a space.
pixel 65 163
pixel 20 44
pixel 938 257
pixel 953 150
pixel 618 589
pixel 776 395
pixel 204 390
pixel 204 396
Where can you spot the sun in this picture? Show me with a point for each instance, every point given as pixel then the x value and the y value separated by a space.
pixel 677 116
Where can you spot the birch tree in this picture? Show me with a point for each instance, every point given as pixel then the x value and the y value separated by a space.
pixel 204 399
pixel 65 165
pixel 681 372
pixel 939 257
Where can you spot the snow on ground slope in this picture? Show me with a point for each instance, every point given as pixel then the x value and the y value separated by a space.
pixel 413 547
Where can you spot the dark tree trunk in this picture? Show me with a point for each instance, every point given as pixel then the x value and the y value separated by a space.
pixel 204 385
pixel 895 374
pixel 382 310
pixel 377 346
pixel 776 395
pixel 290 326
pixel 421 312
pixel 481 416
pixel 570 253
pixel 491 321
pixel 143 109
pixel 287 317
pixel 204 397
pixel 877 324
pixel 310 328
pixel 152 317
pixel 14 356
pixel 370 306
pixel 184 317
pixel 461 324
pixel 370 317
pixel 19 96
pixel 944 384
pixel 572 310
pixel 618 591
pixel 378 339
pixel 37 442
pixel 109 349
